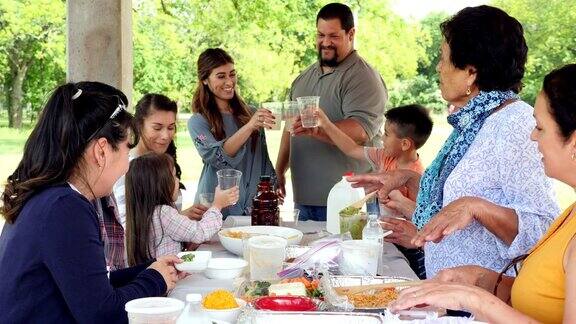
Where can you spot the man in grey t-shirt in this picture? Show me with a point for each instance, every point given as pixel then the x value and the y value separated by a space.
pixel 353 96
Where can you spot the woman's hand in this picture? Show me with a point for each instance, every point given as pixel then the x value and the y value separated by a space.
pixel 403 231
pixel 384 182
pixel 195 212
pixel 444 295
pixel 225 198
pixel 262 118
pixel 455 216
pixel 165 265
pixel 469 275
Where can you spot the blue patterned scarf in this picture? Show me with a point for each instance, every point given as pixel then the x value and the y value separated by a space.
pixel 467 123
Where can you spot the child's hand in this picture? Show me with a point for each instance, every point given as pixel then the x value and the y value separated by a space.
pixel 225 198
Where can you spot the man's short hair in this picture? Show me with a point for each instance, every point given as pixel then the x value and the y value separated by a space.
pixel 337 11
pixel 412 121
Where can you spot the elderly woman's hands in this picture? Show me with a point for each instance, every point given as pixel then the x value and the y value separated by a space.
pixel 403 231
pixel 385 182
pixel 469 275
pixel 455 216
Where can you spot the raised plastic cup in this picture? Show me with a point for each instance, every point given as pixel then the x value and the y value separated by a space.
pixel 267 254
pixel 228 178
pixel 308 107
pixel 360 258
pixel 276 110
pixel 291 111
pixel 161 310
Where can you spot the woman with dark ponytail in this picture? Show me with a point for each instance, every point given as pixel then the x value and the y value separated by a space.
pixel 544 289
pixel 52 260
pixel 155 121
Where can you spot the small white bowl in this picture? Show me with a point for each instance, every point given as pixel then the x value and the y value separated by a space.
pixel 225 268
pixel 228 315
pixel 199 264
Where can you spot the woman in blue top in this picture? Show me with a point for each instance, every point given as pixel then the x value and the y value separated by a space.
pixel 226 132
pixel 52 261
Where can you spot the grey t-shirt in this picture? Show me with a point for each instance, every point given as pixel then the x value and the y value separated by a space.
pixel 352 90
pixel 251 162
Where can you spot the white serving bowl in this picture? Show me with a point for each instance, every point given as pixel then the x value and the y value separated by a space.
pixel 199 264
pixel 225 268
pixel 228 315
pixel 234 245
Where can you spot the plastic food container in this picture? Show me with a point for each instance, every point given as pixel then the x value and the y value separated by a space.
pixel 159 310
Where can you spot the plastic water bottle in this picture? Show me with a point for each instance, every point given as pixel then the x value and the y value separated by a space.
pixel 374 233
pixel 193 312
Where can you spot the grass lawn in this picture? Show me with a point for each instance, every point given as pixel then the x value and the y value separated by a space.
pixel 12 143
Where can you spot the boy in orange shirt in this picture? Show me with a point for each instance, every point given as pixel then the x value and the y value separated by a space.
pixel 406 130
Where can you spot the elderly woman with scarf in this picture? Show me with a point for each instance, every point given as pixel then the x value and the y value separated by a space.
pixel 485 199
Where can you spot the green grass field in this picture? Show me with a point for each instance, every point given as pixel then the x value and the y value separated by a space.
pixel 12 144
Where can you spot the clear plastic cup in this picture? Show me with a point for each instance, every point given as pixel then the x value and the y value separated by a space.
pixel 360 258
pixel 228 178
pixel 206 199
pixel 308 106
pixel 353 224
pixel 291 111
pixel 276 109
pixel 159 310
pixel 289 218
pixel 267 254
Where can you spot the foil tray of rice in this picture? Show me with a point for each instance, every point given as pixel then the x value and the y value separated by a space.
pixel 267 317
pixel 373 300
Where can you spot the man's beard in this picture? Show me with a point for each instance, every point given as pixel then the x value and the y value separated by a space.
pixel 331 62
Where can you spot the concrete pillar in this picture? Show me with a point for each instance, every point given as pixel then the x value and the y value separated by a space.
pixel 99 42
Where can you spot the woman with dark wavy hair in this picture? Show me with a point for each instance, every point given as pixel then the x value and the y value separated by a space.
pixel 545 287
pixel 227 133
pixel 52 260
pixel 485 199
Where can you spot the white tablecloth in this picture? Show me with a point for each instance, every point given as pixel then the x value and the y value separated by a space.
pixel 395 264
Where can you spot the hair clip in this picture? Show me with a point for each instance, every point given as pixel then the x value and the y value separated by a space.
pixel 117 110
pixel 77 94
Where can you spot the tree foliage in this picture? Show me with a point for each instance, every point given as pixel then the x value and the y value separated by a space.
pixel 271 41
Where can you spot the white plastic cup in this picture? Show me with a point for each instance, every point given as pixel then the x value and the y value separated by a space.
pixel 161 310
pixel 360 258
pixel 228 178
pixel 276 110
pixel 267 254
pixel 308 107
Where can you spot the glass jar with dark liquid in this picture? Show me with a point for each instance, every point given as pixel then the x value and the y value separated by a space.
pixel 265 204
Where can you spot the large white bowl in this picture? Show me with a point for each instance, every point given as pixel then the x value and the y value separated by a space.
pixel 234 245
pixel 228 315
pixel 199 264
pixel 225 268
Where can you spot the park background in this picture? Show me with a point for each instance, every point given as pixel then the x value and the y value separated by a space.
pixel 272 41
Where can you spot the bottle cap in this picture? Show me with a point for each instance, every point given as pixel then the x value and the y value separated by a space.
pixel 265 178
pixel 193 298
pixel 348 174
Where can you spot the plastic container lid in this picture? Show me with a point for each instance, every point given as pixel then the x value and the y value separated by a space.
pixel 154 305
pixel 193 298
pixel 348 174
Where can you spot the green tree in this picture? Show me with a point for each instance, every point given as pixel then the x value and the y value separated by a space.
pixel 550 34
pixel 32 43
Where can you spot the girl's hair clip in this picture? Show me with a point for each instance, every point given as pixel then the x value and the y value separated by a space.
pixel 77 94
